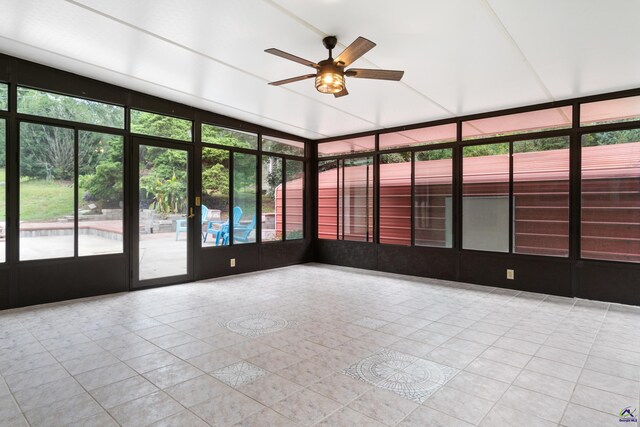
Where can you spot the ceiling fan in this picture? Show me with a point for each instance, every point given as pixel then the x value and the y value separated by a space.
pixel 330 73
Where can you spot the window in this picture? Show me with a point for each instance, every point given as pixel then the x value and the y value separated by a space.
pixel 244 197
pixel 56 106
pixel 485 197
pixel 433 192
pixel 232 138
pixel 100 193
pixel 513 124
pixel 294 188
pixel 328 199
pixel 610 214
pixel 4 97
pixel 215 194
pixel 610 111
pixel 541 196
pixel 47 191
pixel 345 199
pixel 347 146
pixel 161 126
pixel 283 146
pixel 416 137
pixel 356 204
pixel 3 189
pixel 395 198
pixel 47 166
pixel 272 207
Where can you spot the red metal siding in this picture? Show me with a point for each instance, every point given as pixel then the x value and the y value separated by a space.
pixel 610 200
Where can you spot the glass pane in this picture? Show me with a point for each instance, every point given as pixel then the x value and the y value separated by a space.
pixel 347 146
pixel 47 104
pixel 283 146
pixel 357 200
pixel 295 200
pixel 513 124
pixel 417 137
pixel 232 138
pixel 485 198
pixel 271 198
pixel 215 196
pixel 395 198
pixel 100 193
pixel 46 192
pixel 4 96
pixel 163 209
pixel 610 227
pixel 432 198
pixel 244 198
pixel 328 199
pixel 159 125
pixel 541 196
pixel 3 189
pixel 610 111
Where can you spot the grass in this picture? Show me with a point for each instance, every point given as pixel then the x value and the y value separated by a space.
pixel 41 200
pixel 45 200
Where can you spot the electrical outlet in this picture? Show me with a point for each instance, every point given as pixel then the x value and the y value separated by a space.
pixel 233 262
pixel 510 274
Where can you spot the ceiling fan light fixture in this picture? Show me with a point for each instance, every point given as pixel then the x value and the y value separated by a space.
pixel 330 73
pixel 330 82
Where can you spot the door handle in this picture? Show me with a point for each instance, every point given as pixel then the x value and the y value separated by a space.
pixel 191 215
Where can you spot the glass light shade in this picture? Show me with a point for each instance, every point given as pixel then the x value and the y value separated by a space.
pixel 329 82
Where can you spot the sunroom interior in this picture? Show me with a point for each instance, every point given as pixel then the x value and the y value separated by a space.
pixel 170 222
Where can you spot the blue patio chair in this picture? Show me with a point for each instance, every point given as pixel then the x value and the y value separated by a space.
pixel 181 224
pixel 241 232
pixel 221 229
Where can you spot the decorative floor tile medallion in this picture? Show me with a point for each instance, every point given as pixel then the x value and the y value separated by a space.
pixel 239 374
pixel 256 325
pixel 408 376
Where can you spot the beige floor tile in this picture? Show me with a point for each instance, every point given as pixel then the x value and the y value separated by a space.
pixel 64 411
pixel 226 409
pixel 45 394
pixel 580 416
pixel 477 385
pixel 424 416
pixel 265 418
pixel 341 388
pixel 306 407
pixel 531 402
pixel 124 391
pixel 106 375
pixel 146 410
pixel 198 390
pixel 346 417
pixel 545 384
pixel 173 374
pixel 383 406
pixel 181 419
pixel 471 408
pixel 501 416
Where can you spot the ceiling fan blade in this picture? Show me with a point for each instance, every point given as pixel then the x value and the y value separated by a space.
pixel 292 79
pixel 355 50
pixel 343 92
pixel 365 73
pixel 290 57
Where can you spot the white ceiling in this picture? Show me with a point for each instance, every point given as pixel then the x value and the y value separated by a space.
pixel 459 56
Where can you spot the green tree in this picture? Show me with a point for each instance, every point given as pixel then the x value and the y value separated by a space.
pixel 160 125
pixel 105 185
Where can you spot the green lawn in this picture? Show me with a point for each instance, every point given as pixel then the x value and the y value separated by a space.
pixel 41 200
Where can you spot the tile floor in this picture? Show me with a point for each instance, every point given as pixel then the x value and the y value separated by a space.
pixel 320 345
